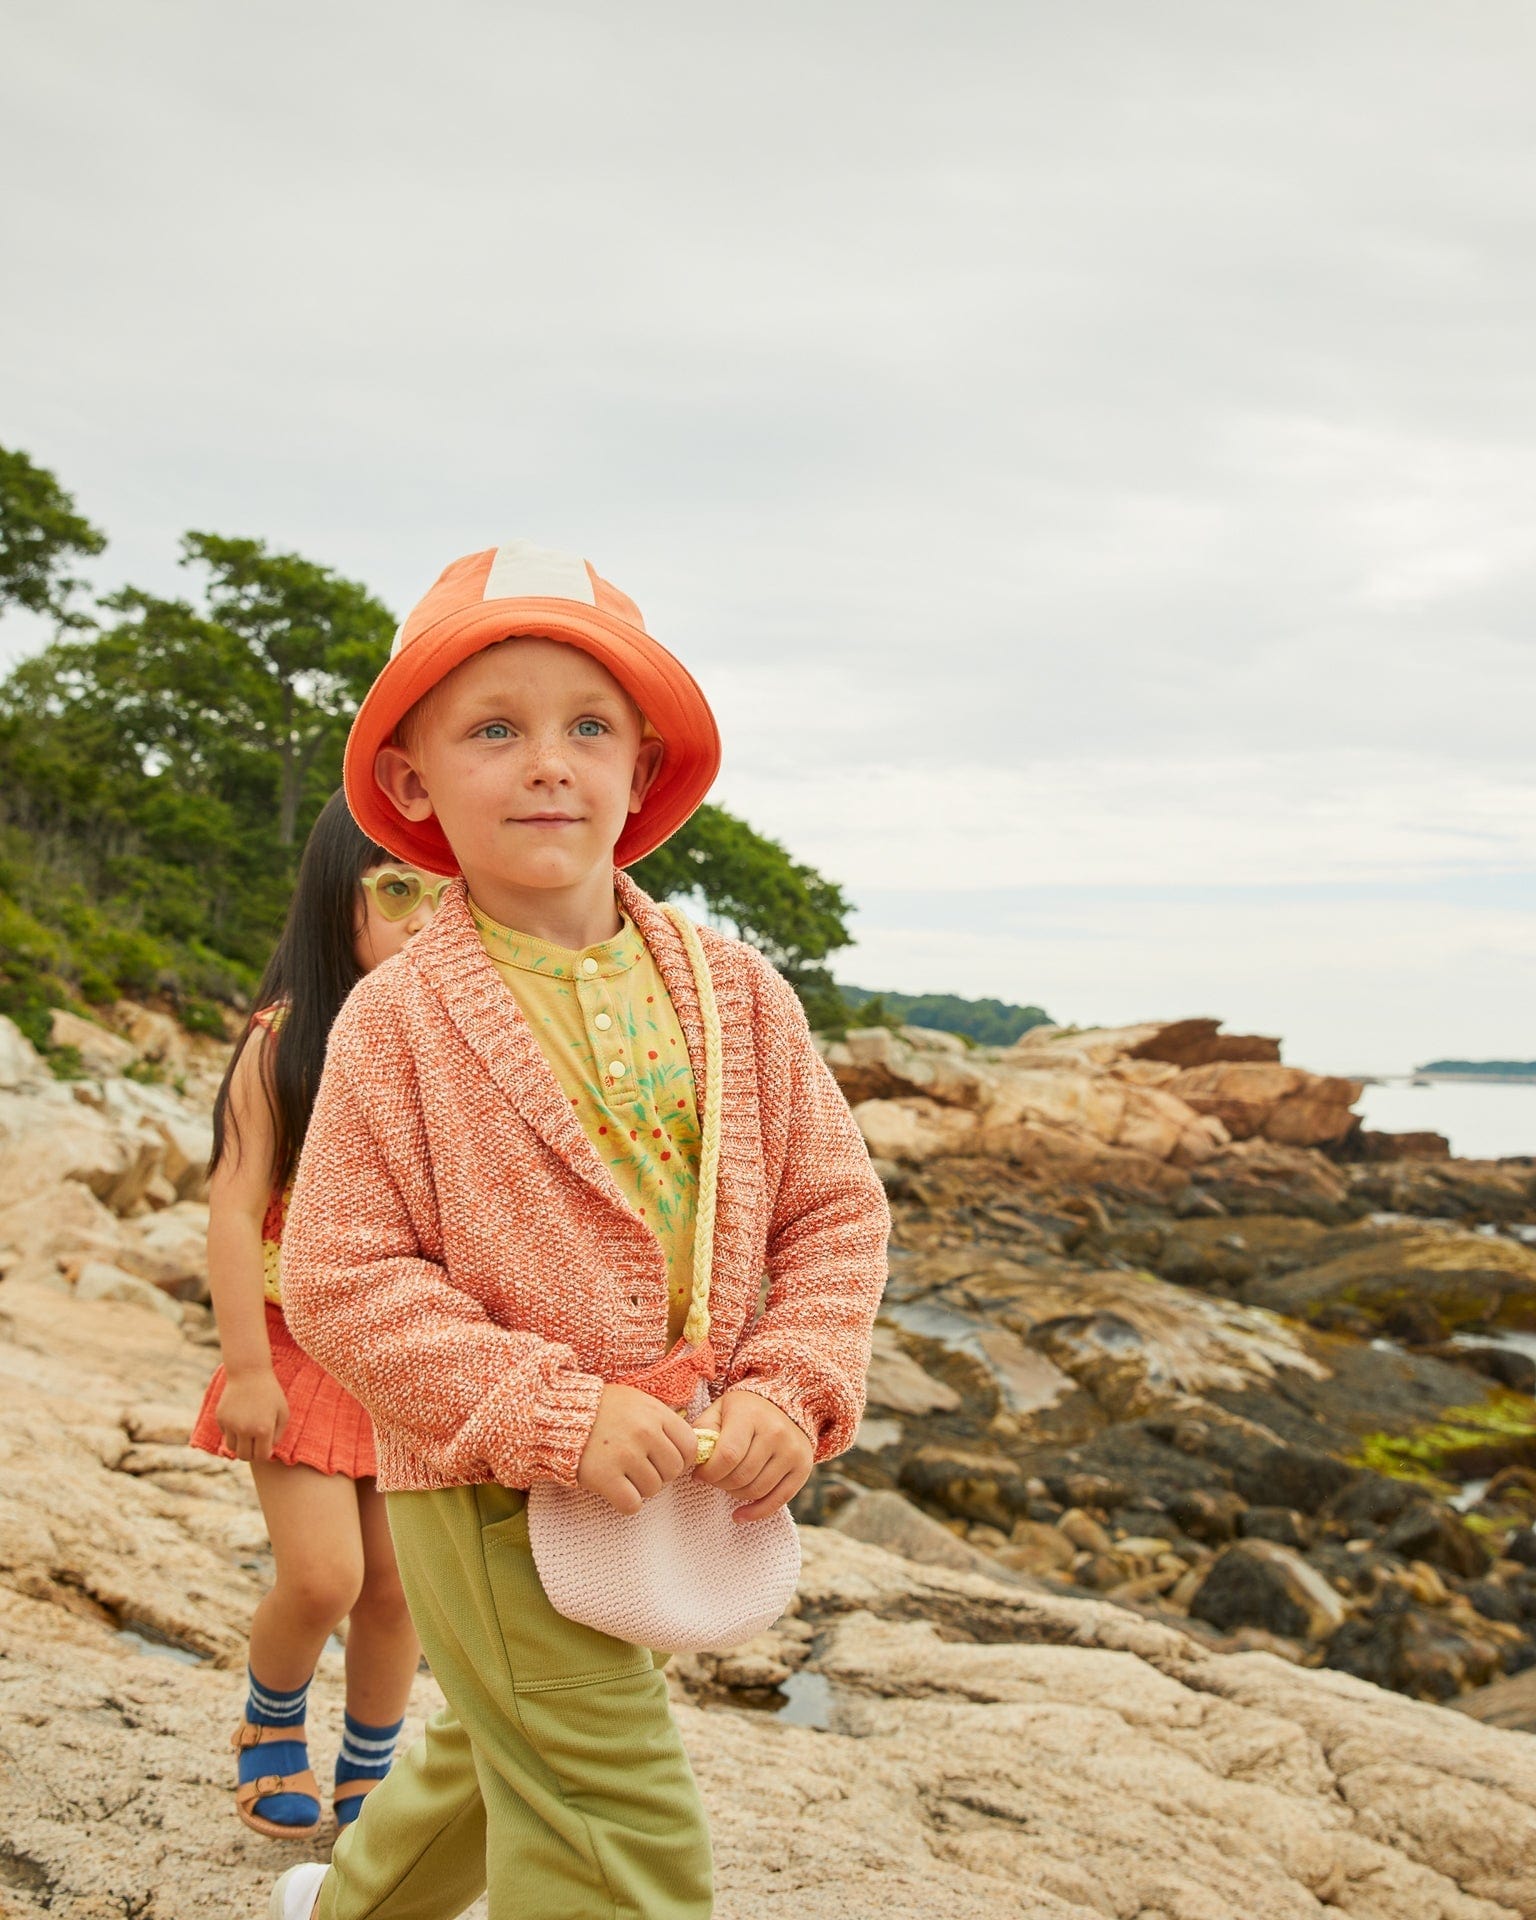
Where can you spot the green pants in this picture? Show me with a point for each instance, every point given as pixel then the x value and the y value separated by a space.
pixel 556 1778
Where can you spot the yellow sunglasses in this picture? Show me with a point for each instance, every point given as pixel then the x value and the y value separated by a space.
pixel 399 891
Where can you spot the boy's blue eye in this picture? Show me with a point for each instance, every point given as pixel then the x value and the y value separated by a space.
pixel 590 729
pixel 497 730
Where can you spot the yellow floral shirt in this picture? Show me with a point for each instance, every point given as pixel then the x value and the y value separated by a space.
pixel 606 1023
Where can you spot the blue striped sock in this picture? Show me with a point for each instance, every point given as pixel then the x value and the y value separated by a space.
pixel 366 1753
pixel 267 1707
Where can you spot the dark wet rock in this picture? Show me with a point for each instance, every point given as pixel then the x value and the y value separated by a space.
pixel 1284 1525
pixel 1260 1177
pixel 1217 1264
pixel 1512 1486
pixel 1257 1583
pixel 972 1485
pixel 1434 1533
pixel 1517 1371
pixel 1350 1572
pixel 1371 1145
pixel 1419 1650
pixel 1521 1546
pixel 1298 1477
pixel 1499 1191
pixel 1096 1490
pixel 1495 1602
pixel 1413 1321
pixel 1103 1352
pixel 1206 1514
pixel 1433 1283
pixel 1335 1316
pixel 823 1495
pixel 1371 1500
pixel 1371 1392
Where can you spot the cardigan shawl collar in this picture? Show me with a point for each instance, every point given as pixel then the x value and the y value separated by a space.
pixel 451 959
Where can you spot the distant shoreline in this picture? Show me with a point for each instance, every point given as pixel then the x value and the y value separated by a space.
pixel 1478 1079
pixel 1416 1078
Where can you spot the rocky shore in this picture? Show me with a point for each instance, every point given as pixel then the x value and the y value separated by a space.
pixel 1150 1340
pixel 1197 1482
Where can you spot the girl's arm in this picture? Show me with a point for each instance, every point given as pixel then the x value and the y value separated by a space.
pixel 252 1410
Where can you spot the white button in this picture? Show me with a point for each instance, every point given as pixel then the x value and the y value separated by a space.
pixel 603 1022
pixel 617 1068
pixel 589 965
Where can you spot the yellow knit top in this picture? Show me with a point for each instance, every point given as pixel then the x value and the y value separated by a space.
pixel 605 1022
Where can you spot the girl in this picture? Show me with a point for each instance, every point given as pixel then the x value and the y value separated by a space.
pixel 309 1443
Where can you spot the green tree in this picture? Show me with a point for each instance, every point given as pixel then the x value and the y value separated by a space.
pixel 179 753
pixel 40 533
pixel 750 883
pixel 303 647
pixel 158 773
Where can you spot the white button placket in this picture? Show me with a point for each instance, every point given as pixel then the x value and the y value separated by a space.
pixel 602 1022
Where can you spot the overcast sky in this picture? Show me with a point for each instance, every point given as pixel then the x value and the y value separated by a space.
pixel 1087 451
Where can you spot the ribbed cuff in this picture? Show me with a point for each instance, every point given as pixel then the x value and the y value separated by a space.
pixel 787 1403
pixel 562 1421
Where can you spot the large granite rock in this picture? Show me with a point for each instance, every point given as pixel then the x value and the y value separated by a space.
pixel 978 1748
pixel 1104 1104
pixel 961 1735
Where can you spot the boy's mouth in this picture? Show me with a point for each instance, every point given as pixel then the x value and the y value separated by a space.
pixel 547 820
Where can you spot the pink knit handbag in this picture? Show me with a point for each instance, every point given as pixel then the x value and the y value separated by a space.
pixel 681 1574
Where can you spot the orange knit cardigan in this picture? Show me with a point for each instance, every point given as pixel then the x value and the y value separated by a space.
pixel 458 1256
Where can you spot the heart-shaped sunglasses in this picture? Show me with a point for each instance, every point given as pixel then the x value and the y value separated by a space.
pixel 399 891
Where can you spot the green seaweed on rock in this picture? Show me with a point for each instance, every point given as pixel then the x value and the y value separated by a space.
pixel 1463 1443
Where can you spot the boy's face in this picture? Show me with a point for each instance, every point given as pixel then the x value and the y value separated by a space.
pixel 530 755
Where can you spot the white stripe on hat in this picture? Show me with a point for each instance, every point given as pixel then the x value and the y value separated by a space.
pixel 521 570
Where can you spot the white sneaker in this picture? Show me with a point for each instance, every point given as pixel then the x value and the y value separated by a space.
pixel 296 1891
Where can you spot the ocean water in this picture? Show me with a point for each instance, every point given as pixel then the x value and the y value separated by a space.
pixel 1481 1122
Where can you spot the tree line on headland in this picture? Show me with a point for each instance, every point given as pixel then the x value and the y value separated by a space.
pixel 162 759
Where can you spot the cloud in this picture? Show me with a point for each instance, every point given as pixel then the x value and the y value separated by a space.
pixel 1076 445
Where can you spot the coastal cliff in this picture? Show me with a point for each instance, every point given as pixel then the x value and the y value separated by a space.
pixel 1189 1462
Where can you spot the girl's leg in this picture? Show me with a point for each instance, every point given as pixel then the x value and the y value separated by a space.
pixel 317 1548
pixel 382 1657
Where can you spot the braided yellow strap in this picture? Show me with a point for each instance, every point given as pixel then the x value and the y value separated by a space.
pixel 696 1327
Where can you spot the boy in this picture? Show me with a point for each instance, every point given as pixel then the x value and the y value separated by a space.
pixel 491 1236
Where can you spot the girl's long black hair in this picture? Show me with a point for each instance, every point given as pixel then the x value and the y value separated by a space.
pixel 312 970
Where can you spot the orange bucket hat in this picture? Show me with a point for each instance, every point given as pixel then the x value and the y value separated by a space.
pixel 520 591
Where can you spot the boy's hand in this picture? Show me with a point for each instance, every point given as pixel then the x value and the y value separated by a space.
pixel 761 1454
pixel 635 1447
pixel 252 1412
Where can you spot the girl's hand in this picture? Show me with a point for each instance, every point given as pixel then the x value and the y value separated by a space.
pixel 761 1454
pixel 635 1447
pixel 252 1412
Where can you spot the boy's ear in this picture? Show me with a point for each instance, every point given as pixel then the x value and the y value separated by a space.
pixel 647 766
pixel 399 780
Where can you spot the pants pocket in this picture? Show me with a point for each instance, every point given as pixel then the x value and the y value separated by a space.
pixel 503 1515
pixel 545 1651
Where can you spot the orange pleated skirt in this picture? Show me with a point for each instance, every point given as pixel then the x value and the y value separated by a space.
pixel 327 1429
